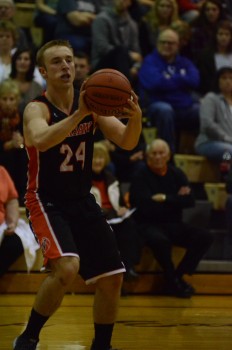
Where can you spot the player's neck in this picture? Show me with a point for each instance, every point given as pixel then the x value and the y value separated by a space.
pixel 62 101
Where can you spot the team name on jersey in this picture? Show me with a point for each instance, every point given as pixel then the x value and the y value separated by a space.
pixel 81 129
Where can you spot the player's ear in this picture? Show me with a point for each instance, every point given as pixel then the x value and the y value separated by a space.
pixel 43 72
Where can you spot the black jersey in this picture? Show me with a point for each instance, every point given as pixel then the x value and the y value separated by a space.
pixel 64 171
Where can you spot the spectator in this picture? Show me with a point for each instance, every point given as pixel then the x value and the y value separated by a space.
pixel 189 9
pixel 82 68
pixel 216 55
pixel 166 84
pixel 46 18
pixel 16 237
pixel 74 22
pixel 7 13
pixel 106 189
pixel 12 153
pixel 115 42
pixel 204 26
pixel 160 192
pixel 184 32
pixel 215 137
pixel 23 73
pixel 161 15
pixel 8 37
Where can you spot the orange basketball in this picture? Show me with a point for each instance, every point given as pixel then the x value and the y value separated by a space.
pixel 107 92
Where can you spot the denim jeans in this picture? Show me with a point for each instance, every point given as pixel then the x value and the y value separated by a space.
pixel 213 149
pixel 169 121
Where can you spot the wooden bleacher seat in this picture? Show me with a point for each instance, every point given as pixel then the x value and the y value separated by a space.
pixel 24 18
pixel 217 195
pixel 197 168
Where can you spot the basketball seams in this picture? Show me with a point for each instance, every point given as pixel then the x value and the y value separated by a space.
pixel 104 104
pixel 108 87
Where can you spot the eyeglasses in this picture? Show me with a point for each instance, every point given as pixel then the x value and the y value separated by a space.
pixel 165 42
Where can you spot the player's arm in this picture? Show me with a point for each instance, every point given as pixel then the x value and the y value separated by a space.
pixel 125 136
pixel 37 131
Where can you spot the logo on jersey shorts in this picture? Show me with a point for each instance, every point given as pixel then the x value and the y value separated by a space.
pixel 45 245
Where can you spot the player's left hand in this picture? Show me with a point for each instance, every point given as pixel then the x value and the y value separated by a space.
pixel 133 110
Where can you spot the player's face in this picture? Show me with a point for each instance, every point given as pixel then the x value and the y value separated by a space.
pixel 158 156
pixel 59 66
pixel 98 163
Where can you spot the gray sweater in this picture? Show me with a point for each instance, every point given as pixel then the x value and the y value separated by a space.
pixel 110 30
pixel 215 119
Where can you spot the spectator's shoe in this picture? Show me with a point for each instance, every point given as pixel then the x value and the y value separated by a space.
pixel 178 289
pixel 23 343
pixel 130 275
pixel 187 286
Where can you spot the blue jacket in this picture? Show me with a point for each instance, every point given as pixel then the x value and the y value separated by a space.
pixel 172 83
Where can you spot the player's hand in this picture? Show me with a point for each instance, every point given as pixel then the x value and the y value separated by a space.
pixel 133 110
pixel 83 107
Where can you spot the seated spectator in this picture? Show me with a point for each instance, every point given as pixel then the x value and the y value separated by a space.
pixel 16 237
pixel 167 81
pixel 115 42
pixel 74 22
pixel 216 55
pixel 8 37
pixel 189 9
pixel 82 68
pixel 161 15
pixel 46 18
pixel 204 26
pixel 23 73
pixel 215 137
pixel 12 152
pixel 7 13
pixel 105 188
pixel 160 192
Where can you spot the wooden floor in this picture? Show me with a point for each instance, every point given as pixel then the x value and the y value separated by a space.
pixel 144 323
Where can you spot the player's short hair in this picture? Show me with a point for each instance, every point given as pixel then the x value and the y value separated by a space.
pixel 40 52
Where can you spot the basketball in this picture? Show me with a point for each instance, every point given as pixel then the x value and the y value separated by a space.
pixel 107 92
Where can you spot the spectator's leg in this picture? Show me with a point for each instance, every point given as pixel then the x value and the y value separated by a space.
pixel 213 149
pixel 162 116
pixel 196 241
pixel 10 250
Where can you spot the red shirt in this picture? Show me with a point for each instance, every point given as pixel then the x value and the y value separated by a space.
pixel 7 191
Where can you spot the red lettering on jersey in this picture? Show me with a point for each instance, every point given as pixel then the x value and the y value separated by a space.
pixel 81 129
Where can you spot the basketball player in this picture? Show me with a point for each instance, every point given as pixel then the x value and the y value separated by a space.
pixel 74 237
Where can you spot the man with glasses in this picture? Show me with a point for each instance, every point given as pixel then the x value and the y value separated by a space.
pixel 166 85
